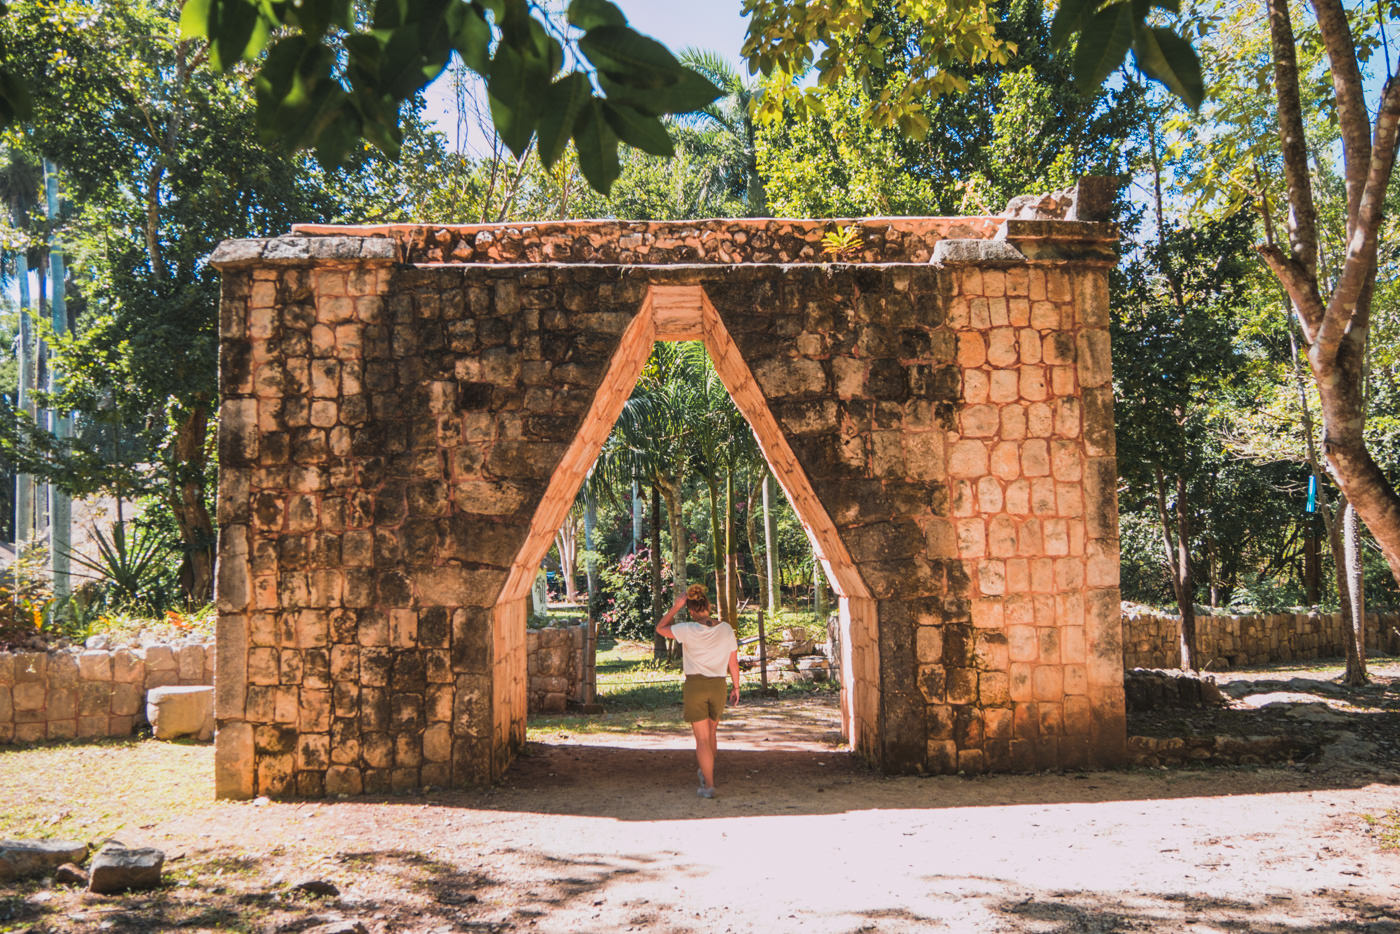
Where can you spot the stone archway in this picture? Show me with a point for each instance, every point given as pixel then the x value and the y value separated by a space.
pixel 684 313
pixel 406 409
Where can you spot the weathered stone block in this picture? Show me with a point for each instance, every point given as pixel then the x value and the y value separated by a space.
pixel 181 711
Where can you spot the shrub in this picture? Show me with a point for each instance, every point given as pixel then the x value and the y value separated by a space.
pixel 625 594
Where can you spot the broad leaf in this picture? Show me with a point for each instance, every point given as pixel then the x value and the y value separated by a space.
pixel 236 29
pixel 470 34
pixel 316 16
pixel 1106 38
pixel 566 98
pixel 1070 18
pixel 15 101
pixel 597 147
pixel 1168 58
pixel 514 100
pixel 644 131
pixel 590 14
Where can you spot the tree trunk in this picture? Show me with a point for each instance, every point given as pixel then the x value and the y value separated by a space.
pixel 1356 668
pixel 731 555
pixel 1176 551
pixel 679 545
pixel 760 563
pixel 716 543
pixel 1356 594
pixel 1311 561
pixel 566 540
pixel 770 552
pixel 1336 326
pixel 658 642
pixel 636 516
pixel 590 521
pixel 186 496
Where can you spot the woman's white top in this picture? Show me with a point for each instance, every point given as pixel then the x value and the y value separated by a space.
pixel 707 648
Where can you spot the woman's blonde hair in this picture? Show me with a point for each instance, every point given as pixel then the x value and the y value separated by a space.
pixel 696 600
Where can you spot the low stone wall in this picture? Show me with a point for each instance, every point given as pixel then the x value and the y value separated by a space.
pixel 1150 640
pixel 553 667
pixel 80 692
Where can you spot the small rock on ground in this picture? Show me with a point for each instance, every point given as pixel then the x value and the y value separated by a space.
pixel 316 887
pixel 117 868
pixel 69 874
pixel 21 858
pixel 339 927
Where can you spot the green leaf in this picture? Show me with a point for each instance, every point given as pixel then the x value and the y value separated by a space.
pixel 566 98
pixel 1170 59
pixel 236 29
pixel 470 34
pixel 642 73
pixel 514 98
pixel 411 60
pixel 15 101
pixel 194 19
pixel 644 131
pixel 597 147
pixel 1069 19
pixel 590 14
pixel 316 16
pixel 1105 41
pixel 622 50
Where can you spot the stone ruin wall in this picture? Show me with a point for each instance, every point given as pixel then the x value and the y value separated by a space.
pixel 397 427
pixel 1151 640
pixel 553 667
pixel 80 692
pixel 90 692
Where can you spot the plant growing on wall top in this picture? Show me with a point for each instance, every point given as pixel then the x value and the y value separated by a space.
pixel 842 244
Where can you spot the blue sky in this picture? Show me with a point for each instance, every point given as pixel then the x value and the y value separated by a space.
pixel 708 24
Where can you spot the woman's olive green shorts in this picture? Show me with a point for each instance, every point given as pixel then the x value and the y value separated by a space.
pixel 704 698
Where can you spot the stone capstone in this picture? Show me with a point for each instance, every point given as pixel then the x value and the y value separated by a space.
pixel 21 859
pixel 176 711
pixel 117 868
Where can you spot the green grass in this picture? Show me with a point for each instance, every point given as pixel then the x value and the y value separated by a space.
pixel 1385 828
pixel 775 625
pixel 640 693
pixel 92 789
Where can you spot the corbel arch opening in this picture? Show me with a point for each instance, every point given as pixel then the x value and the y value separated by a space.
pixel 685 313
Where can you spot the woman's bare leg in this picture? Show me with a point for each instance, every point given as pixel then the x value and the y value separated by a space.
pixel 705 749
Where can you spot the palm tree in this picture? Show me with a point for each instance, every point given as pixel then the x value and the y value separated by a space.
pixel 648 445
pixel 722 446
pixel 731 117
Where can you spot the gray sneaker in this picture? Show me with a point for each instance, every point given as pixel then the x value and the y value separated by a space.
pixel 700 774
pixel 705 792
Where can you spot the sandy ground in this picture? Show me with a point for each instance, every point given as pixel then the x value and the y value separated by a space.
pixel 605 833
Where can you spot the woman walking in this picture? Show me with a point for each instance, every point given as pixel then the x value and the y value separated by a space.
pixel 709 649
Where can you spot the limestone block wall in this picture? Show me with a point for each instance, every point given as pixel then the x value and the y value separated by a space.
pixel 75 692
pixel 1150 640
pixel 554 663
pixel 1032 677
pixel 401 430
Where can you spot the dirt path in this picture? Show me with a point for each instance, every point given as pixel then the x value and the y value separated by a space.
pixel 605 833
